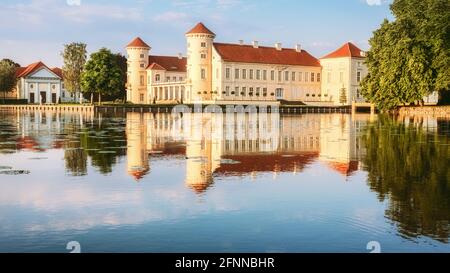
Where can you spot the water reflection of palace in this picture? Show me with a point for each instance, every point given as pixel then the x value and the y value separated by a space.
pixel 36 130
pixel 243 144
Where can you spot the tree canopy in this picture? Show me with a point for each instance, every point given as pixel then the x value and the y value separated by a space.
pixel 74 56
pixel 409 57
pixel 102 74
pixel 8 79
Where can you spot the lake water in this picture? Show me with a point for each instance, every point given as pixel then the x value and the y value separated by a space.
pixel 223 183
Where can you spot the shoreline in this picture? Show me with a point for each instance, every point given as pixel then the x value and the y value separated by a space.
pixel 283 109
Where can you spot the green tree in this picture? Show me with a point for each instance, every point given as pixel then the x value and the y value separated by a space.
pixel 122 63
pixel 409 57
pixel 8 79
pixel 343 95
pixel 102 75
pixel 74 56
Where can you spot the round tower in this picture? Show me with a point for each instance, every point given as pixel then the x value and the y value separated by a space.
pixel 199 62
pixel 137 52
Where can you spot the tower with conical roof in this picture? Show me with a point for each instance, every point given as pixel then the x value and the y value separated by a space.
pixel 199 63
pixel 138 52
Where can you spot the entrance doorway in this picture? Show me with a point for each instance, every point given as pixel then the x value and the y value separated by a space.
pixel 43 97
pixel 53 97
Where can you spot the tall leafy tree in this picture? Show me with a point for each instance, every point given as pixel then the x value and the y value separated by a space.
pixel 122 63
pixel 8 79
pixel 74 56
pixel 410 56
pixel 102 75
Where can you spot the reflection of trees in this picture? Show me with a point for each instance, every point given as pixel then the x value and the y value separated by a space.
pixel 104 143
pixel 410 167
pixel 74 156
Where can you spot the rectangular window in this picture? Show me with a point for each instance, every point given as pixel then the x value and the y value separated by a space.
pixel 272 75
pixel 174 79
pixel 141 97
pixel 142 56
pixel 306 76
pixel 279 76
pixel 358 76
pixel 227 73
pixel 251 74
pixel 286 75
pixel 203 44
pixel 203 56
pixel 236 73
pixel 142 80
pixel 244 74
pixel 264 75
pixel 236 90
pixel 318 77
pixel 258 74
pixel 142 65
pixel 227 91
pixel 300 76
pixel 258 90
pixel 293 76
pixel 312 77
pixel 264 91
pixel 244 91
pixel 203 74
pixel 167 79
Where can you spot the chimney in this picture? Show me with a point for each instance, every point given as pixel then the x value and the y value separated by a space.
pixel 241 42
pixel 255 44
pixel 298 48
pixel 278 46
pixel 180 56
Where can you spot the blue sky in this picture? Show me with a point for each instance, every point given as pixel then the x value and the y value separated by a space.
pixel 32 30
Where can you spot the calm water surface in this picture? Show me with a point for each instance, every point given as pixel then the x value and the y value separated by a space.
pixel 212 183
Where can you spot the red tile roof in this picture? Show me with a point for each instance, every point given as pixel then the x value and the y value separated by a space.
pixel 264 55
pixel 169 63
pixel 347 50
pixel 155 66
pixel 25 71
pixel 58 71
pixel 138 42
pixel 267 163
pixel 345 169
pixel 200 28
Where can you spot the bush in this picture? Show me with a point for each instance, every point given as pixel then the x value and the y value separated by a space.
pixel 13 101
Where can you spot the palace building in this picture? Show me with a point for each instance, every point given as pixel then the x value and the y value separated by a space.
pixel 39 84
pixel 222 73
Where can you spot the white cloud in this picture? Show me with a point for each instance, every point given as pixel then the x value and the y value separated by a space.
pixel 37 12
pixel 376 2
